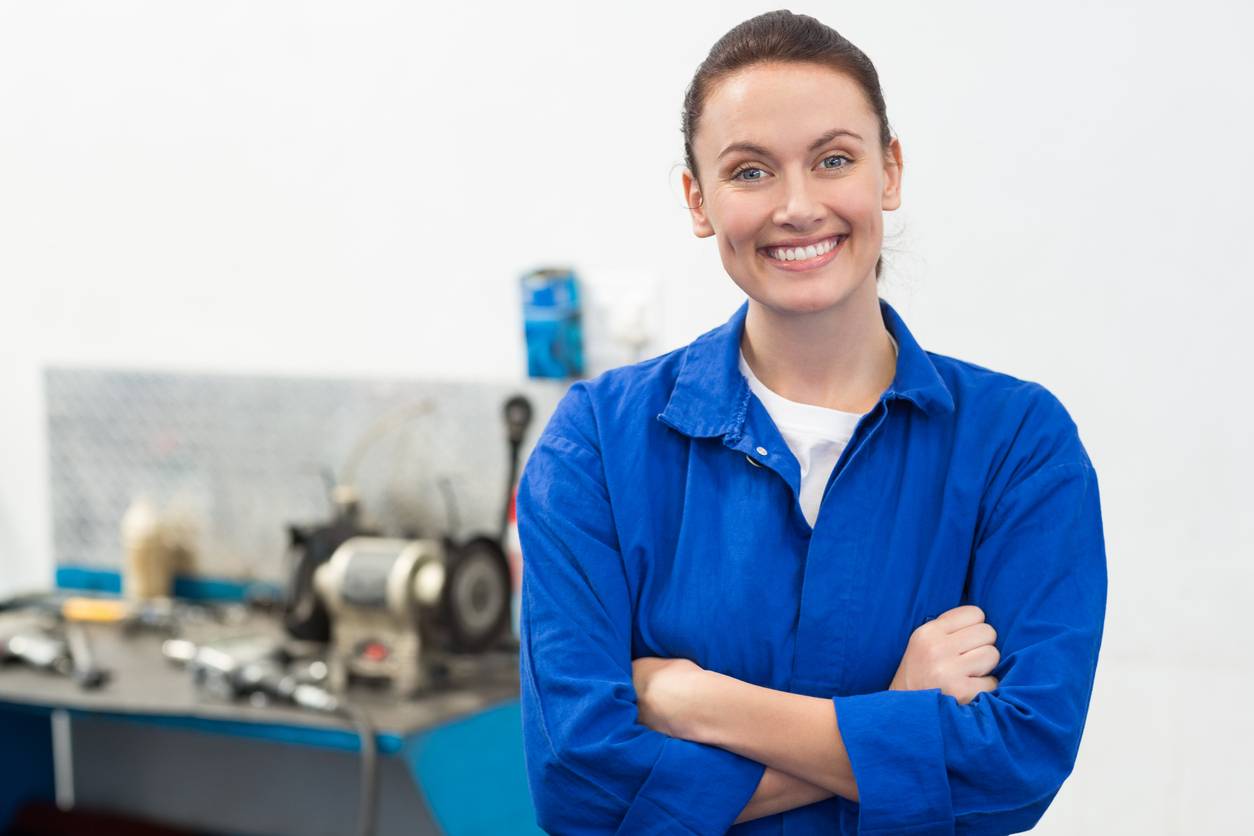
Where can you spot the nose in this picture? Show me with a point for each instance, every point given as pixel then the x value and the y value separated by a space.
pixel 798 209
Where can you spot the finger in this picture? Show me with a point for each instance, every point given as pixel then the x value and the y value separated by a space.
pixel 971 637
pixel 960 617
pixel 980 661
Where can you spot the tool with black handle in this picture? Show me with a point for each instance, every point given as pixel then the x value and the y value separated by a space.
pixel 63 650
pixel 83 667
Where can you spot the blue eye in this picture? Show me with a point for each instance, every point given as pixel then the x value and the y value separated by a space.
pixel 736 175
pixel 836 157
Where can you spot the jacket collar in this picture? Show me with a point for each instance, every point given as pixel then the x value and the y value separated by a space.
pixel 710 395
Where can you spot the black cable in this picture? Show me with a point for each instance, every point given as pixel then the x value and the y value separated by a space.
pixel 517 416
pixel 369 792
pixel 451 517
pixel 514 449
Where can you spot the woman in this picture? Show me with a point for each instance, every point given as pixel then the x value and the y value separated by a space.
pixel 735 553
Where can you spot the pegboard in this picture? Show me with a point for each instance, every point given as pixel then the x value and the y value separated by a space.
pixel 241 457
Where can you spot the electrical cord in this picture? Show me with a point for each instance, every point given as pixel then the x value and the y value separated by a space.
pixel 369 792
pixel 451 516
pixel 222 672
pixel 517 413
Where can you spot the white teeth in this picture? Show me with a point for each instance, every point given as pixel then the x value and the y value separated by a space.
pixel 801 253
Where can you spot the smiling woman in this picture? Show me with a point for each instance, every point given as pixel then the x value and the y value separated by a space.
pixel 801 573
pixel 784 200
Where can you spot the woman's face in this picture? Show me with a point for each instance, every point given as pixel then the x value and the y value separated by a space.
pixel 793 183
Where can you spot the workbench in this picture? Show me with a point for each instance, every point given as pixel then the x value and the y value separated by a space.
pixel 150 744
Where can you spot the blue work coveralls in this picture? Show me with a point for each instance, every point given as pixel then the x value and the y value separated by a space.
pixel 648 528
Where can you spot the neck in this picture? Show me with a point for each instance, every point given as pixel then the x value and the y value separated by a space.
pixel 839 358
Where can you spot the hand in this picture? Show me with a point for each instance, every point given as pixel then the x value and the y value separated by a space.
pixel 665 691
pixel 952 652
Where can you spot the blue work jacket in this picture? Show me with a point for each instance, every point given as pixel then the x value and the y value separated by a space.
pixel 659 516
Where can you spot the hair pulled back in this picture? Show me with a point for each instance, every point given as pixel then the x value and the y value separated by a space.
pixel 780 37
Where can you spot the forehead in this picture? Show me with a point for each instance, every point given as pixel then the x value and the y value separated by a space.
pixel 782 107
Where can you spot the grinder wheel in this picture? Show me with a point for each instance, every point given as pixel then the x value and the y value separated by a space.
pixel 477 594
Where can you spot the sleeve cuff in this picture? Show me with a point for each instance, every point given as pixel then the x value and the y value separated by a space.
pixel 898 757
pixel 693 788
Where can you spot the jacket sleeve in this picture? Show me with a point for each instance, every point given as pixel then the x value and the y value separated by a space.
pixel 590 765
pixel 924 763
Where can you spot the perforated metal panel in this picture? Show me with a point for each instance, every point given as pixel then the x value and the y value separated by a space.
pixel 242 456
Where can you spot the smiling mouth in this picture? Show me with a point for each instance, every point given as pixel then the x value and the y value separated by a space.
pixel 805 258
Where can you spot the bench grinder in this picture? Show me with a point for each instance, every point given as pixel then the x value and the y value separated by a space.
pixel 398 605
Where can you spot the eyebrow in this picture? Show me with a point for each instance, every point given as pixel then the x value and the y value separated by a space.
pixel 749 147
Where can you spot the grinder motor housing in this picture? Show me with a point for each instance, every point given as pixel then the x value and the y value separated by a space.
pixel 397 605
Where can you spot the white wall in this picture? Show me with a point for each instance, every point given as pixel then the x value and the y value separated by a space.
pixel 329 188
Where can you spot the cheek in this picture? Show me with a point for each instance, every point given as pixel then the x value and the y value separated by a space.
pixel 738 221
pixel 864 206
pixel 734 260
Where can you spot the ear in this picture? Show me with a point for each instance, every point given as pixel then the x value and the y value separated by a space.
pixel 892 176
pixel 696 206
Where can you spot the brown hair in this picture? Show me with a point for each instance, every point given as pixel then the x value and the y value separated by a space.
pixel 782 36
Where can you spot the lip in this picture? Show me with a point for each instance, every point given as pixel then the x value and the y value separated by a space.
pixel 805 264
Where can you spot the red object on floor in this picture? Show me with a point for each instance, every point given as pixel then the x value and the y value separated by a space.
pixel 43 819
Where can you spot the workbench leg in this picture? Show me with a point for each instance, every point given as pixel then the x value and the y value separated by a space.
pixel 62 758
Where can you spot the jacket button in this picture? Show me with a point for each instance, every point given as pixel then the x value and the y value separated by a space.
pixel 761 451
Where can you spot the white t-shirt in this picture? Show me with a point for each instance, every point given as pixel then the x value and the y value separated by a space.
pixel 815 434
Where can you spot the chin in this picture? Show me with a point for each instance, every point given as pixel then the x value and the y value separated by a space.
pixel 804 300
pixel 800 294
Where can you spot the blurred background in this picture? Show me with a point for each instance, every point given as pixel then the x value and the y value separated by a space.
pixel 252 253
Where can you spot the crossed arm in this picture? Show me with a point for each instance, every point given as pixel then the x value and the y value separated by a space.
pixel 924 763
pixel 797 737
pixel 793 735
